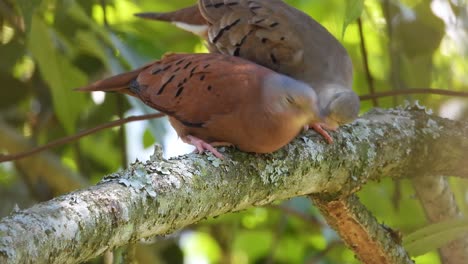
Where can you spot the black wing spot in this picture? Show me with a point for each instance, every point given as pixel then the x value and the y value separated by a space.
pixel 273 58
pixel 202 77
pixel 193 71
pixel 209 87
pixel 214 5
pixel 283 38
pixel 236 52
pixel 165 84
pixel 190 124
pixel 221 31
pixel 135 87
pixel 187 65
pixel 179 92
pixel 274 24
pixel 167 67
pixel 259 21
pixel 255 8
pixel 179 62
pixel 232 4
pixel 206 66
pixel 264 40
pixel 156 71
pixel 178 68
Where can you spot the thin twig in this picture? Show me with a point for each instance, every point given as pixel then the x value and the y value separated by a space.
pixel 395 76
pixel 414 91
pixel 122 133
pixel 365 58
pixel 304 217
pixel 104 13
pixel 61 141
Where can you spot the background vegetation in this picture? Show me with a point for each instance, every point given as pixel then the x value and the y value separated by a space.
pixel 48 47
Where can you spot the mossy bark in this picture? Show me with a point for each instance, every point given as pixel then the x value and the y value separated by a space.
pixel 160 196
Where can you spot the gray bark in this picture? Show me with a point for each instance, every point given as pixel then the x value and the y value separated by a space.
pixel 439 203
pixel 159 196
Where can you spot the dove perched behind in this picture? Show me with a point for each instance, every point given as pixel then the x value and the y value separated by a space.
pixel 282 38
pixel 219 100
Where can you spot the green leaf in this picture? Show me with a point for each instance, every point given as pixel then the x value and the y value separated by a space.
pixel 127 53
pixel 13 92
pixel 290 249
pixel 75 11
pixel 148 139
pixel 201 245
pixel 27 8
pixel 434 236
pixel 254 244
pixel 59 74
pixel 105 143
pixel 91 45
pixel 353 11
pixel 11 53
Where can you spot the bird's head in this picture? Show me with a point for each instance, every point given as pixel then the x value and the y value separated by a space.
pixel 291 97
pixel 339 105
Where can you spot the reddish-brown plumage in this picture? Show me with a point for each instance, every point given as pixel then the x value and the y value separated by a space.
pixel 280 37
pixel 220 99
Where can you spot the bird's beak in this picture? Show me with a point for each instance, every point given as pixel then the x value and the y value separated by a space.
pixel 330 124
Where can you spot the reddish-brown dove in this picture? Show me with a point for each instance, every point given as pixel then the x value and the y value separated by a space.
pixel 217 100
pixel 282 38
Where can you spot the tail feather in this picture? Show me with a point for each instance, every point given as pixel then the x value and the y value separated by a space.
pixel 119 83
pixel 190 15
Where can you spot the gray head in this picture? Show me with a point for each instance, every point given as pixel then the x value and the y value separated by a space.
pixel 339 105
pixel 282 94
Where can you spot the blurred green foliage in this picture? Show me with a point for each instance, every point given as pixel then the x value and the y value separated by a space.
pixel 48 47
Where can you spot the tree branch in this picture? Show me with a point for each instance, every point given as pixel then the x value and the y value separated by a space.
pixel 439 203
pixel 372 242
pixel 160 196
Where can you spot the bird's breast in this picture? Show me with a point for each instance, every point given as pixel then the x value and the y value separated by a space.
pixel 250 132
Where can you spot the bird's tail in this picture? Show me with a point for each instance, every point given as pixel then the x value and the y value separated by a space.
pixel 121 83
pixel 188 18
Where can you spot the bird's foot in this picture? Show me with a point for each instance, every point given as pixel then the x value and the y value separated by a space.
pixel 319 129
pixel 201 146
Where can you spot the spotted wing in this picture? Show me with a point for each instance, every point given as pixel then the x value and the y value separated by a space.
pixel 262 31
pixel 196 88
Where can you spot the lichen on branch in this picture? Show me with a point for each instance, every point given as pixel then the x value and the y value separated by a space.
pixel 160 196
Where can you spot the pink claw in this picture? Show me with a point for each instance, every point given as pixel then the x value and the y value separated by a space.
pixel 318 128
pixel 202 146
